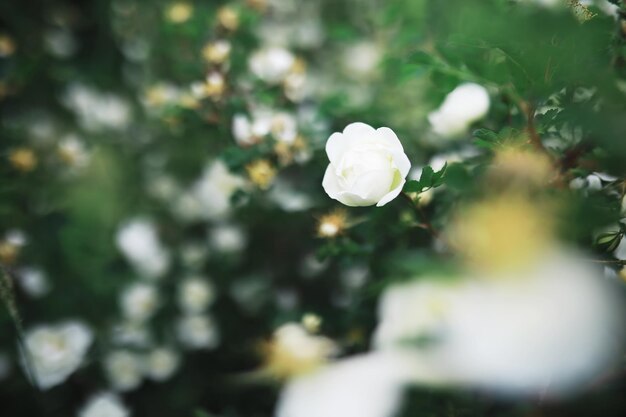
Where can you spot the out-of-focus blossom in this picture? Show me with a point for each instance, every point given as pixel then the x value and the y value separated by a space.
pixel 227 238
pixel 261 173
pixel 161 363
pixel 138 241
pixel 332 224
pixel 552 325
pixel 34 282
pixel 72 151
pixel 213 190
pixel 105 404
pixel 193 254
pixel 361 60
pixel 97 111
pixel 294 351
pixel 465 105
pixel 249 131
pixel 271 64
pixel 228 18
pixel 179 12
pixel 195 295
pixel 23 159
pixel 288 198
pixel 131 333
pixel 60 43
pixel 139 302
pixel 367 166
pixel 363 386
pixel 198 332
pixel 7 45
pixel 216 52
pixel 55 352
pixel 124 369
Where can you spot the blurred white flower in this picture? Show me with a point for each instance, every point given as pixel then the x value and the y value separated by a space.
pixel 193 254
pixel 355 276
pixel 139 302
pixel 60 43
pixel 34 282
pixel 124 369
pixel 465 105
pixel 131 333
pixel 361 59
pixel 162 187
pixel 138 241
pixel 288 198
pixel 249 131
pixel 55 352
pixel 271 64
pixel 73 152
pixel 105 404
pixel 214 189
pixel 367 166
pixel 195 295
pixel 161 363
pixel 551 326
pixel 16 238
pixel 198 332
pixel 227 238
pixel 363 386
pixel 97 111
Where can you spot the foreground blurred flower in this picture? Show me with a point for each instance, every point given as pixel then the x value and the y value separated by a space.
pixel 367 166
pixel 105 404
pixel 465 105
pixel 139 243
pixel 363 386
pixel 54 352
pixel 554 325
pixel 294 351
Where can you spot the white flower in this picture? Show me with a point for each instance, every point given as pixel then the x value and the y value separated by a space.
pixel 57 351
pixel 34 282
pixel 465 105
pixel 248 131
pixel 293 347
pixel 124 369
pixel 161 363
pixel 361 59
pixel 367 166
pixel 139 302
pixel 95 110
pixel 131 333
pixel 288 198
pixel 227 238
pixel 138 241
pixel 363 386
pixel 198 332
pixel 72 150
pixel 195 295
pixel 271 64
pixel 553 325
pixel 214 189
pixel 105 404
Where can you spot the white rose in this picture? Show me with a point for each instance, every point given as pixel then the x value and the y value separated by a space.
pixel 367 166
pixel 463 106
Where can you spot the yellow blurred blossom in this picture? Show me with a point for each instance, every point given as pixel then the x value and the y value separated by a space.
pixel 261 173
pixel 228 18
pixel 523 164
pixel 216 52
pixel 179 12
pixel 23 159
pixel 259 5
pixel 311 322
pixel 8 252
pixel 332 224
pixel 293 351
pixel 7 46
pixel 503 232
